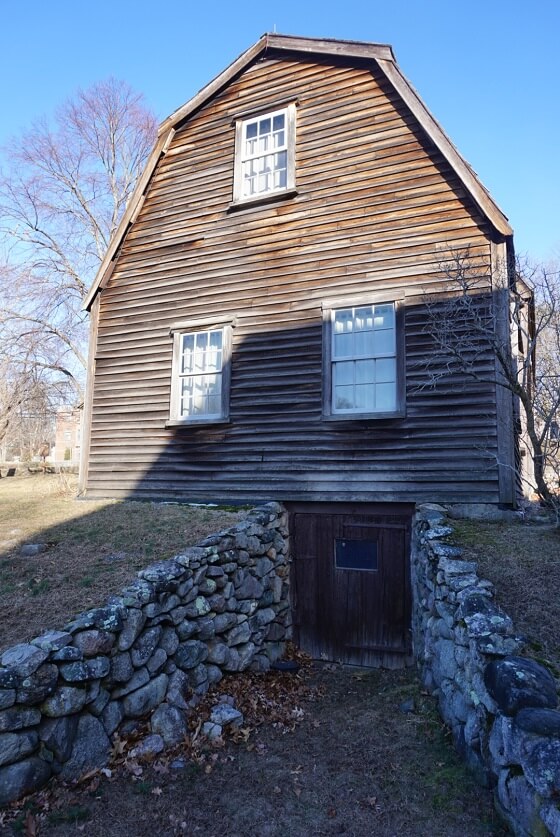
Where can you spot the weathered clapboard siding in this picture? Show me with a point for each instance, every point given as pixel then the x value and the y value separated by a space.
pixel 376 206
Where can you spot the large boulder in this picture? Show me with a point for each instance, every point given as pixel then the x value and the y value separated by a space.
pixel 91 748
pixel 23 777
pixel 145 699
pixel 515 683
pixel 169 722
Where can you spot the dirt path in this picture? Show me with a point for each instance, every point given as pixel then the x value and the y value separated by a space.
pixel 337 755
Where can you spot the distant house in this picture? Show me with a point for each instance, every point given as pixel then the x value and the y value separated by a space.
pixel 258 324
pixel 67 435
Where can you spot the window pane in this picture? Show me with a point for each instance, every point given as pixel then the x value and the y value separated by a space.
pixel 186 397
pixel 344 373
pixel 185 408
pixel 343 345
pixel 251 130
pixel 384 342
pixel 215 339
pixel 384 316
pixel 281 179
pixel 281 160
pixel 264 126
pixel 213 384
pixel 344 398
pixel 278 122
pixel 214 352
pixel 365 371
pixel 363 318
pixel 187 359
pixel 343 321
pixel 248 185
pixel 355 554
pixel 214 405
pixel 199 360
pixel 385 370
pixel 385 397
pixel 201 340
pixel 364 398
pixel 363 343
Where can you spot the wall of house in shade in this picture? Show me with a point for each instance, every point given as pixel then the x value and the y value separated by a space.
pixel 501 707
pixel 216 608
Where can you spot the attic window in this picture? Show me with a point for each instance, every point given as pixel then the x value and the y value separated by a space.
pixel 264 155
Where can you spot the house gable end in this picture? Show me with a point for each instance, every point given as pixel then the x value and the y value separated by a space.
pixel 273 47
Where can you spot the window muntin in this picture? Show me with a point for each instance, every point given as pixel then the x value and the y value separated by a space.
pixel 364 360
pixel 264 157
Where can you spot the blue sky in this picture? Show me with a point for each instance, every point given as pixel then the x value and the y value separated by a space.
pixel 489 70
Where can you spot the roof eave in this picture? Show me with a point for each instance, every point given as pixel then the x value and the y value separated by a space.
pixel 482 198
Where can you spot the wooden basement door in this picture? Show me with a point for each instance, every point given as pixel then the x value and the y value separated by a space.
pixel 351 582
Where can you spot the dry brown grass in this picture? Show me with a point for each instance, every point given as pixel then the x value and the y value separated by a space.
pixel 523 562
pixel 94 548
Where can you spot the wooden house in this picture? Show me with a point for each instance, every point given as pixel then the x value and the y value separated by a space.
pixel 259 321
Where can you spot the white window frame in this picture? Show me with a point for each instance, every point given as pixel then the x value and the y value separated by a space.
pixel 329 360
pixel 242 157
pixel 194 327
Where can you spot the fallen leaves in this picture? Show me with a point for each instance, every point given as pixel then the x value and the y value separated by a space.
pixel 274 698
pixel 134 768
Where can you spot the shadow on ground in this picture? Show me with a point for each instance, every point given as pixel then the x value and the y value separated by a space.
pixel 329 751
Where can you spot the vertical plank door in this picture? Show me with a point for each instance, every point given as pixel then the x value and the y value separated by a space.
pixel 351 583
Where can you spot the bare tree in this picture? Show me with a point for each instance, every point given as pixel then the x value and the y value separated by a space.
pixel 27 409
pixel 505 333
pixel 61 200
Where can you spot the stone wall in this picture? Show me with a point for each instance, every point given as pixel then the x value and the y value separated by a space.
pixel 218 607
pixel 500 707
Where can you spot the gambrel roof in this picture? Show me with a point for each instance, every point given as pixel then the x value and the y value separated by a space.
pixel 277 45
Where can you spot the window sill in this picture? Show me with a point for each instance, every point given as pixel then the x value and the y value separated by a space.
pixel 399 414
pixel 198 422
pixel 248 203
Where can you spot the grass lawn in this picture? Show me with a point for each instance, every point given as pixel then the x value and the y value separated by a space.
pixel 93 548
pixel 522 560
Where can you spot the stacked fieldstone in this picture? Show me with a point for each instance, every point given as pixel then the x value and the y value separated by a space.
pixel 501 707
pixel 218 607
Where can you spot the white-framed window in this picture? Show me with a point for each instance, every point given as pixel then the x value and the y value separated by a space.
pixel 264 155
pixel 363 367
pixel 200 374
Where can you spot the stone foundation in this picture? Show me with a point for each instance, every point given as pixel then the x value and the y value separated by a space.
pixel 500 707
pixel 218 607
